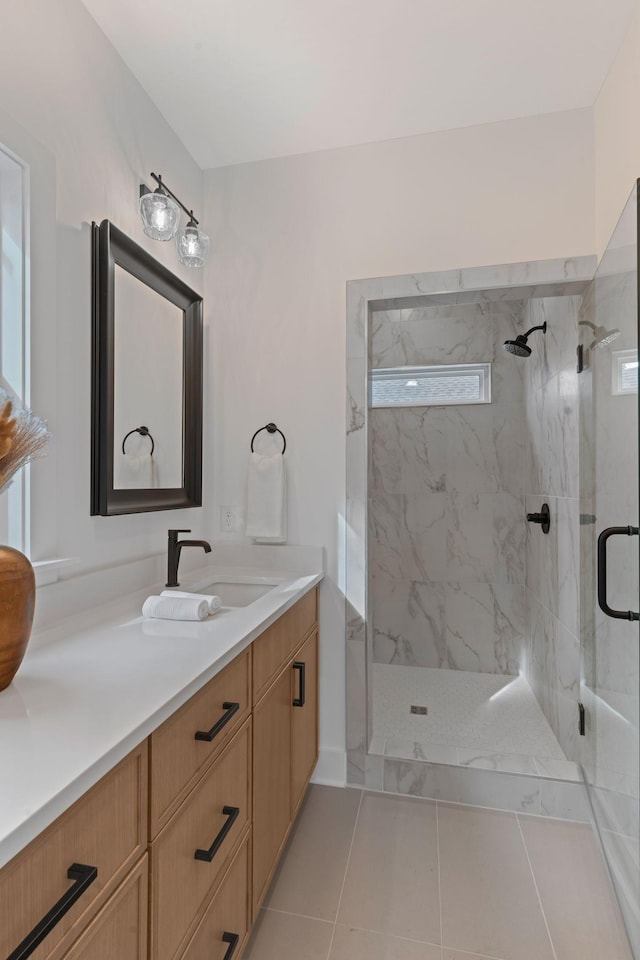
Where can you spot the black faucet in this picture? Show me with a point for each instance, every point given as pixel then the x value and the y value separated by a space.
pixel 173 555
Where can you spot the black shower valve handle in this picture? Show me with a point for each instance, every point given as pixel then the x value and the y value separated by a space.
pixel 543 518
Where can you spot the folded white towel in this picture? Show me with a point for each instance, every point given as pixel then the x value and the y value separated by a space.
pixel 267 498
pixel 214 602
pixel 180 608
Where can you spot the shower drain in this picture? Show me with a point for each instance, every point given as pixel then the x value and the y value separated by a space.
pixel 417 708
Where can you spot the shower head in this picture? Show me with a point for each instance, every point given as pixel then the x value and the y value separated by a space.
pixel 601 336
pixel 519 347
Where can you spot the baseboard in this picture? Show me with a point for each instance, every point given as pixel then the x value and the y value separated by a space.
pixel 331 769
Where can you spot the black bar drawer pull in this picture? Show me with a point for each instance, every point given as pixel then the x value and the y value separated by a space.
pixel 602 572
pixel 300 699
pixel 209 735
pixel 82 876
pixel 232 815
pixel 233 939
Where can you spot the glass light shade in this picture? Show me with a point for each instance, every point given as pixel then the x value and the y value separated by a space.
pixel 160 215
pixel 192 245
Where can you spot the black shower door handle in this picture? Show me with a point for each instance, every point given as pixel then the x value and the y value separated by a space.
pixel 602 572
pixel 82 876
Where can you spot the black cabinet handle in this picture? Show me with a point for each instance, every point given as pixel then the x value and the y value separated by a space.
pixel 82 876
pixel 209 735
pixel 602 572
pixel 232 815
pixel 233 940
pixel 302 667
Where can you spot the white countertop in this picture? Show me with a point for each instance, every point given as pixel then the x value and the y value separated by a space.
pixel 96 685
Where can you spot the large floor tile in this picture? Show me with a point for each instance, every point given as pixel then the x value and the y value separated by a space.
pixel 283 936
pixel 310 878
pixel 583 918
pixel 351 944
pixel 392 879
pixel 489 901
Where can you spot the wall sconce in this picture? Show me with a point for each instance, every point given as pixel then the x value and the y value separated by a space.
pixel 160 214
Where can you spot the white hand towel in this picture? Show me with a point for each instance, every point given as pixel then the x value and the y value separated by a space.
pixel 166 608
pixel 267 499
pixel 214 602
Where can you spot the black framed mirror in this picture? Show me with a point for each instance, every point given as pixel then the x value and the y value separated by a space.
pixel 146 437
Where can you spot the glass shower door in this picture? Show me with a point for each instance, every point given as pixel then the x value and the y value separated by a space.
pixel 609 588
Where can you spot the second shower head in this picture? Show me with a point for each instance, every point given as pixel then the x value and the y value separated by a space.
pixel 519 346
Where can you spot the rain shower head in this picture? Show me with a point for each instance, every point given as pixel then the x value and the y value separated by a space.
pixel 519 347
pixel 601 336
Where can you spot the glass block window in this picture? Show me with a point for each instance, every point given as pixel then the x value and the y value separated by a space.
pixel 624 372
pixel 431 386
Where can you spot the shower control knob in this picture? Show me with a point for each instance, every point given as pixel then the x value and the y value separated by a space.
pixel 543 518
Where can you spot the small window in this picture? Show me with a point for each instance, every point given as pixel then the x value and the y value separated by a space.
pixel 431 386
pixel 13 323
pixel 624 372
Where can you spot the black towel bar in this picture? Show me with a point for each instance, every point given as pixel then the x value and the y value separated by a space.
pixel 270 428
pixel 144 432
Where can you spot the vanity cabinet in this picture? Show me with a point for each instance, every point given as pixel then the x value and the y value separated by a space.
pixel 172 851
pixel 285 676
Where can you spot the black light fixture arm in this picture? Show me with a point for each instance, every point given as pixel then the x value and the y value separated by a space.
pixel 158 179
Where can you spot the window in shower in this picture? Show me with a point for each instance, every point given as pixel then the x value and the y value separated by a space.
pixel 444 384
pixel 624 372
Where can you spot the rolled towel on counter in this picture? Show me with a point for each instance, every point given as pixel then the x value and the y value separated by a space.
pixel 214 602
pixel 178 608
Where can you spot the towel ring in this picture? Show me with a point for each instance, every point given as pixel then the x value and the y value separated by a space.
pixel 270 428
pixel 144 432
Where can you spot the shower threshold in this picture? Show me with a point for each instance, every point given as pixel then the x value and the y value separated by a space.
pixel 479 720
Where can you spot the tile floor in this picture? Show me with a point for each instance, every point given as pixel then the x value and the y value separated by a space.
pixel 369 876
pixel 474 719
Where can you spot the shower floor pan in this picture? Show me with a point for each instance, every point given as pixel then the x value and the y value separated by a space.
pixel 480 720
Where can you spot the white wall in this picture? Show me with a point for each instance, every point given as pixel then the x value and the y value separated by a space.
pixel 288 234
pixel 617 136
pixel 64 87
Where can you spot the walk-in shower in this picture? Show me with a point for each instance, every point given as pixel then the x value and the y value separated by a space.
pixel 480 668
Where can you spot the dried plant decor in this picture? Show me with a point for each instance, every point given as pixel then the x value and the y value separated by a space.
pixel 22 437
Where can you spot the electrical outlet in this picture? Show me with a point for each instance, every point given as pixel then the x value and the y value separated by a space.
pixel 230 519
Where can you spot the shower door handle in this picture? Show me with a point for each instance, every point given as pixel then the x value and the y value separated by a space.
pixel 602 572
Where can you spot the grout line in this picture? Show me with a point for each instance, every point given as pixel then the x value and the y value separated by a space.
pixel 344 879
pixel 290 913
pixel 439 883
pixel 535 884
pixel 480 956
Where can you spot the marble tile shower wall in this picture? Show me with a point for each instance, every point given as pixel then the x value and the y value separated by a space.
pixel 446 499
pixel 552 663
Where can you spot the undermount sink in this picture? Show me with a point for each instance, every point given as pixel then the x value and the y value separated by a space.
pixel 239 592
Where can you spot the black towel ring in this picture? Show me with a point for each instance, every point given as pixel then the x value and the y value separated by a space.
pixel 270 428
pixel 144 432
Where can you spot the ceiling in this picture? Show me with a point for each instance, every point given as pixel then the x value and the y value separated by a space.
pixel 243 80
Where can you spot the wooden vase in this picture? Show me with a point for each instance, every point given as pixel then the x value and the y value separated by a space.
pixel 17 603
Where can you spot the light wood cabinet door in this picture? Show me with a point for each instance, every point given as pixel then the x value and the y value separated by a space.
pixel 304 718
pixel 271 781
pixel 106 829
pixel 119 932
pixel 274 648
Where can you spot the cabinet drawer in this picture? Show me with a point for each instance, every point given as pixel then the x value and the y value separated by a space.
pixel 119 932
pixel 228 915
pixel 177 757
pixel 274 647
pixel 106 829
pixel 206 823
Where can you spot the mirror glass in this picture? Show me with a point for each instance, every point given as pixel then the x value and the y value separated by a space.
pixel 147 386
